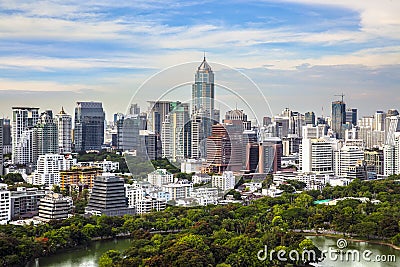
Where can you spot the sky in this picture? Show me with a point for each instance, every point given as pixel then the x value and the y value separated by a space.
pixel 274 54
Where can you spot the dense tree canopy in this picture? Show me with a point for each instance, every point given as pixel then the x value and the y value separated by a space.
pixel 229 235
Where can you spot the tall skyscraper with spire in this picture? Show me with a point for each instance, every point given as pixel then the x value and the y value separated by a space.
pixel 203 89
pixel 202 108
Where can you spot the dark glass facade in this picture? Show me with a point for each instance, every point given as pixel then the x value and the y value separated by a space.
pixel 89 126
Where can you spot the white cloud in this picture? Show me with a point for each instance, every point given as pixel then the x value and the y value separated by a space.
pixel 40 86
pixel 379 18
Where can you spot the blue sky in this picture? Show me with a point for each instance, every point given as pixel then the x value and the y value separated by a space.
pixel 299 52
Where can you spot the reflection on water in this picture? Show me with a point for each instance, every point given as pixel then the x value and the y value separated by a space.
pixel 89 256
pixel 83 257
pixel 324 243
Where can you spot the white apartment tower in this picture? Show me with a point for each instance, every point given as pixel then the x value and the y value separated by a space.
pixel 49 167
pixel 346 158
pixel 45 136
pixel 393 126
pixel 226 181
pixel 316 156
pixel 23 121
pixel 160 177
pixel 391 154
pixel 5 208
pixel 134 193
pixel 64 125
pixel 178 190
pixel 175 134
pixel 310 131
pixel 379 120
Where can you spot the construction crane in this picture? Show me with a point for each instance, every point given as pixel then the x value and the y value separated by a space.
pixel 342 95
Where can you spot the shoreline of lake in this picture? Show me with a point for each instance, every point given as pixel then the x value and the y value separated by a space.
pixel 376 242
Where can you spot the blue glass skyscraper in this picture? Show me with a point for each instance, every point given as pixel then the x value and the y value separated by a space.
pixel 89 126
pixel 338 118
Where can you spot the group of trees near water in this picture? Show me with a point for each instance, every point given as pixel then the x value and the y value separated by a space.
pixel 229 235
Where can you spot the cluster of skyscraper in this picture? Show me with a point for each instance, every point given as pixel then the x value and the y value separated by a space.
pixel 33 134
pixel 182 131
pixel 315 150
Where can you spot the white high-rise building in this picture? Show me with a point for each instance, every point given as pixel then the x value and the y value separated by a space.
pixel 160 177
pixel 24 119
pixel 393 126
pixel 316 156
pixel 379 120
pixel 166 138
pixel 179 190
pixel 64 125
pixel 141 201
pixel 175 135
pixel 134 194
pixel 5 207
pixel 366 121
pixel 226 181
pixel 346 158
pixel 318 131
pixel 391 154
pixel 45 136
pixel 49 167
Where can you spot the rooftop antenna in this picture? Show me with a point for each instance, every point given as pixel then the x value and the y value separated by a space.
pixel 204 54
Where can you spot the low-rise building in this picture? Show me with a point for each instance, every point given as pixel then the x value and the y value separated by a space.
pixel 105 165
pixel 143 202
pixel 313 181
pixel 160 177
pixel 192 165
pixel 55 207
pixel 336 181
pixel 49 167
pixel 5 209
pixel 25 202
pixel 272 191
pixel 252 186
pixel 201 178
pixel 178 190
pixel 160 194
pixel 205 196
pixel 149 204
pixel 79 177
pixel 108 197
pixel 226 181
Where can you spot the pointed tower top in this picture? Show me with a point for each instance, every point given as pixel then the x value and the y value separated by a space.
pixel 204 65
pixel 62 111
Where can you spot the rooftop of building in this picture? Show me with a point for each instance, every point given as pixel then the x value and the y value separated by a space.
pixel 160 172
pixel 204 65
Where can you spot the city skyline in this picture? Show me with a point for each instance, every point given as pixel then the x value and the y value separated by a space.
pixel 291 49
